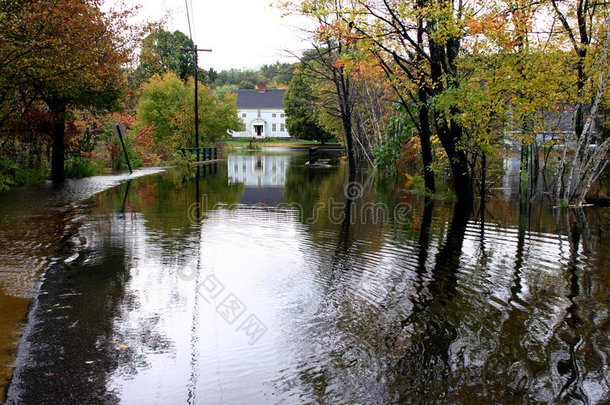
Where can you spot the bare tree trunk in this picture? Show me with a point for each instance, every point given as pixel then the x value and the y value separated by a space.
pixel 588 164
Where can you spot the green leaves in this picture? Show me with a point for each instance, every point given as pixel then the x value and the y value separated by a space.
pixel 302 110
pixel 162 52
pixel 167 103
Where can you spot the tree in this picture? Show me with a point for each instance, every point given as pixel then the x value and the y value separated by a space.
pixel 588 161
pixel 302 110
pixel 162 52
pixel 217 115
pixel 279 73
pixel 418 45
pixel 167 106
pixel 212 75
pixel 64 61
pixel 578 19
pixel 161 100
pixel 421 41
pixel 246 85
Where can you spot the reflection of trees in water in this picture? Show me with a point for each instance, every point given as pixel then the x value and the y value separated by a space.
pixel 527 348
pixel 80 334
pixel 361 343
pixel 424 330
pixel 340 358
pixel 557 349
pixel 71 346
pixel 450 337
pixel 164 201
pixel 423 362
pixel 586 348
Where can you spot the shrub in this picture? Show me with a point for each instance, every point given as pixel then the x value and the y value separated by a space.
pixel 78 168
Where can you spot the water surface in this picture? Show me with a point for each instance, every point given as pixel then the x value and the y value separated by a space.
pixel 255 280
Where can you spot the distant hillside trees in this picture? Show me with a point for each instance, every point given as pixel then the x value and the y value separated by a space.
pixel 276 75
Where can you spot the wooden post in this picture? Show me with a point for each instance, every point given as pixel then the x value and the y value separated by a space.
pixel 313 155
pixel 195 50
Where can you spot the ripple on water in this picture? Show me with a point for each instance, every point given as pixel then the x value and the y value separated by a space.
pixel 353 313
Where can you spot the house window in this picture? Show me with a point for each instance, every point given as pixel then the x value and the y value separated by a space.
pixel 282 115
pixel 274 127
pixel 243 115
pixel 282 127
pixel 274 115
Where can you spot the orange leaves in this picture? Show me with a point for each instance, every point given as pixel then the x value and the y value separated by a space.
pixel 339 63
pixel 124 118
pixel 474 26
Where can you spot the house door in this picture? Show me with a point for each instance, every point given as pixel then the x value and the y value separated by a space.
pixel 258 130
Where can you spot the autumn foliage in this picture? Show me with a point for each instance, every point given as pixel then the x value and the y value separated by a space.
pixel 62 66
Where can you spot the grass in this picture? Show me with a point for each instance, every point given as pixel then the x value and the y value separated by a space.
pixel 13 175
pixel 79 168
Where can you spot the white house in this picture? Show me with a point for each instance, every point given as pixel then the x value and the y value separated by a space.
pixel 262 112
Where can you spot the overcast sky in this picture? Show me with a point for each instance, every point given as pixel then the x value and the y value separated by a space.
pixel 241 33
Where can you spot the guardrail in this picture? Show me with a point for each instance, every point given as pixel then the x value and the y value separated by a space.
pixel 203 154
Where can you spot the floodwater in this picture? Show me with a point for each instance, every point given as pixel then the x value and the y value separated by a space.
pixel 256 280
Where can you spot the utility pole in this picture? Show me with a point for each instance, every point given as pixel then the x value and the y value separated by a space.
pixel 195 52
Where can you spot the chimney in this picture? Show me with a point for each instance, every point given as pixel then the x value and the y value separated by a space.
pixel 262 86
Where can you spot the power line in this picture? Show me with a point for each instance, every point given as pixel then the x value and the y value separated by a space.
pixel 194 25
pixel 188 18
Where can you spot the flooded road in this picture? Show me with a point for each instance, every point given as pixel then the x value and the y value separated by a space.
pixel 256 280
pixel 33 220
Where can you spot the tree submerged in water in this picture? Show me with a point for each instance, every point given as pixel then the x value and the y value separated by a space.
pixel 478 77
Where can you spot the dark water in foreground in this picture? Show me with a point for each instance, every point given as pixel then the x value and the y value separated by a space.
pixel 257 283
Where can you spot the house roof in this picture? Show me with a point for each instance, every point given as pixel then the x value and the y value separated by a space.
pixel 260 99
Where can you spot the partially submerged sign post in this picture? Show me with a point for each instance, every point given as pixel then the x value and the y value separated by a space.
pixel 119 132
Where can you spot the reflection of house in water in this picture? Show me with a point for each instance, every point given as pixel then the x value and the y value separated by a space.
pixel 264 177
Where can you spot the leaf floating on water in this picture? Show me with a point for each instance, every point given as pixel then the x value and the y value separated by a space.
pixel 56 305
pixel 122 347
pixel 89 362
pixel 49 374
pixel 73 325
